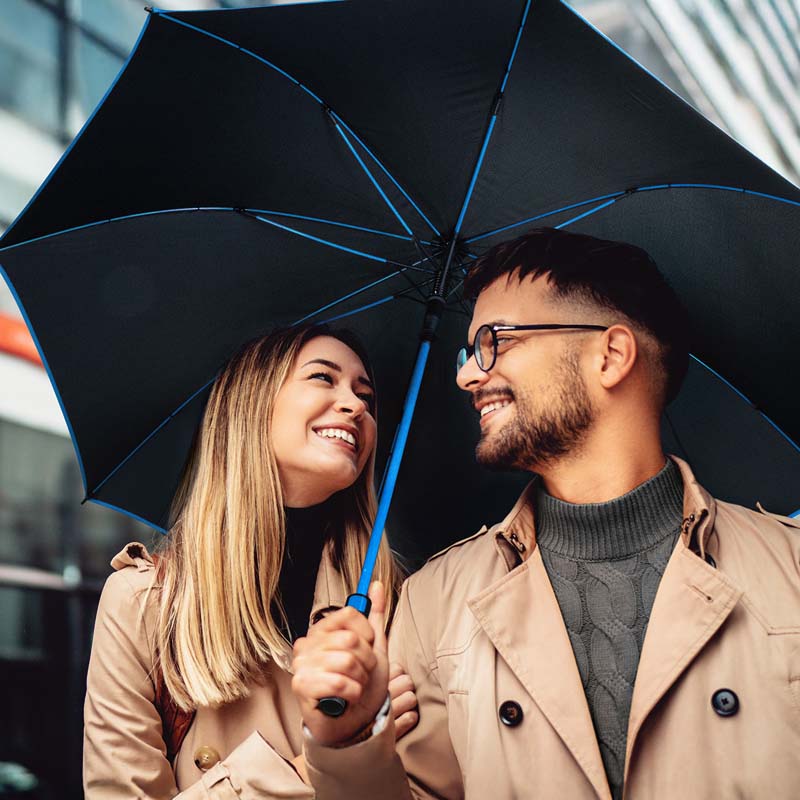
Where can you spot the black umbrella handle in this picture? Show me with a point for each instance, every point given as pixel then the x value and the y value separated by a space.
pixel 336 706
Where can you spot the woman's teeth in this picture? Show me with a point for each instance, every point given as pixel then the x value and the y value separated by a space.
pixel 493 406
pixel 337 433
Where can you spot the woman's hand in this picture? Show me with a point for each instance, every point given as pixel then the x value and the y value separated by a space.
pixel 343 655
pixel 404 701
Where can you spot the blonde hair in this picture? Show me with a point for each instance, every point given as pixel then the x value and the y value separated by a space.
pixel 219 567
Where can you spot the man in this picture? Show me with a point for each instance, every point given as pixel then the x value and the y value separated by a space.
pixel 620 631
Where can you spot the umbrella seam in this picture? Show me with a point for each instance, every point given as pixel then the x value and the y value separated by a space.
pixel 369 175
pixel 635 190
pixel 93 492
pixel 308 91
pixel 495 110
pixel 347 297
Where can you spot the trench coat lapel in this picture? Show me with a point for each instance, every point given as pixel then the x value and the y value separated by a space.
pixel 330 592
pixel 692 602
pixel 521 616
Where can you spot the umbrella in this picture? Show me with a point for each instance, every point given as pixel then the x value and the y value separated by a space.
pixel 348 161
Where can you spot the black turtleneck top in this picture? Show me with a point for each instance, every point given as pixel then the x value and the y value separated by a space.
pixel 307 530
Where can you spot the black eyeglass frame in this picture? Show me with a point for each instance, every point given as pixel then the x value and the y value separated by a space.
pixel 469 350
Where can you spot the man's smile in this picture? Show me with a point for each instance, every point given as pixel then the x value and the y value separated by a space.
pixel 490 408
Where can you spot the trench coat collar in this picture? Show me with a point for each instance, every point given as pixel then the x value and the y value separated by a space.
pixel 330 591
pixel 699 512
pixel 521 616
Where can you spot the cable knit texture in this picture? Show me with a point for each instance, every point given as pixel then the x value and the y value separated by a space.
pixel 605 562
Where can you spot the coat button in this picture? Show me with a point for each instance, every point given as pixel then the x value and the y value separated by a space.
pixel 205 757
pixel 710 560
pixel 510 713
pixel 725 702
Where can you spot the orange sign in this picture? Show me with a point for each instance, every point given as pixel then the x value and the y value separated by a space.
pixel 16 340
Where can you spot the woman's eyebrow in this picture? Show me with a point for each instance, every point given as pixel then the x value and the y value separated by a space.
pixel 324 362
pixel 333 365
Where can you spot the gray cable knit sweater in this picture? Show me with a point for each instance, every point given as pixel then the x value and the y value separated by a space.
pixel 605 562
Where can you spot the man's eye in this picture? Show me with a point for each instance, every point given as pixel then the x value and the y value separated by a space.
pixel 323 376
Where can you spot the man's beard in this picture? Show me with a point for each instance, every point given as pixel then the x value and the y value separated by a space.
pixel 529 443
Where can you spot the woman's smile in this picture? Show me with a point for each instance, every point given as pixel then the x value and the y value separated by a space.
pixel 339 435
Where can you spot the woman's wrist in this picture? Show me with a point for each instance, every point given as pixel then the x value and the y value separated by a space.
pixel 372 728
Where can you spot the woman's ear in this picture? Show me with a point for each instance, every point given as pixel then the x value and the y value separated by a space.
pixel 618 355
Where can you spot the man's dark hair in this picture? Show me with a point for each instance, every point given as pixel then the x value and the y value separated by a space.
pixel 615 276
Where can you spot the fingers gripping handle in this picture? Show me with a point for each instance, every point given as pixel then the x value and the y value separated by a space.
pixel 336 706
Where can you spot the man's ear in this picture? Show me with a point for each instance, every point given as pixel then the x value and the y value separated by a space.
pixel 619 351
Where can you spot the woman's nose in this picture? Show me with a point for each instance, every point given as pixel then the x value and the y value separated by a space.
pixel 471 376
pixel 349 403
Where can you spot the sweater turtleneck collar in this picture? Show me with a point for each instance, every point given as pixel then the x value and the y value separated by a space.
pixel 616 529
pixel 309 523
pixel 307 531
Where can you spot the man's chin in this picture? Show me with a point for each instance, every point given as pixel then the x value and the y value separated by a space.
pixel 495 457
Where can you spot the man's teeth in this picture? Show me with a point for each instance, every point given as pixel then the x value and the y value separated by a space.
pixel 337 433
pixel 492 406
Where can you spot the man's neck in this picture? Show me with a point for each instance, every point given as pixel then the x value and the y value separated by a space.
pixel 604 468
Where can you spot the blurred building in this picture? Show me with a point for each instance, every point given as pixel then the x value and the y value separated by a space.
pixel 737 61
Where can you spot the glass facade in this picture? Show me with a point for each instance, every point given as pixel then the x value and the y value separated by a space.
pixel 42 523
pixel 29 65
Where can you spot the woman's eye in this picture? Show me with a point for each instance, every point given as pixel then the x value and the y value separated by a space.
pixel 323 376
pixel 368 400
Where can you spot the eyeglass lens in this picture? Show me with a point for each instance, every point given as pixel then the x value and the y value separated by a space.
pixel 484 347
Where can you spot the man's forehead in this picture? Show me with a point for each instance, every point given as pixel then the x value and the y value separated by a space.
pixel 509 302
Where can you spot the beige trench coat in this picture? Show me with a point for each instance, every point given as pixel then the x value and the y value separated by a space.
pixel 124 753
pixel 478 626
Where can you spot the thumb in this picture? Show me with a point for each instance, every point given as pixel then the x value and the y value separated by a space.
pixel 377 615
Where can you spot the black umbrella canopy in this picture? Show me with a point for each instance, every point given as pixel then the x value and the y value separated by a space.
pixel 354 150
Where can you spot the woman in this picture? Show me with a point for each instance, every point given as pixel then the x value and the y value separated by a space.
pixel 270 527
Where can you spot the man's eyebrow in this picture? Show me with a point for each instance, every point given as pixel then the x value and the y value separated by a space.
pixel 333 365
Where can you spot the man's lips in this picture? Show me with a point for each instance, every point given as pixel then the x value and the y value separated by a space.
pixel 489 411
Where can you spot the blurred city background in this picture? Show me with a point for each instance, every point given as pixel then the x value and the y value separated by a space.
pixel 736 61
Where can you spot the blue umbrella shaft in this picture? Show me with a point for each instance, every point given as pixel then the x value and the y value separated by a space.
pixel 358 600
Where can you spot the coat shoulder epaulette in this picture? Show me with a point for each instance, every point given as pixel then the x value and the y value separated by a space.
pixel 459 543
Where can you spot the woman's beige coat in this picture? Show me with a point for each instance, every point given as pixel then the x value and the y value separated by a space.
pixel 244 747
pixel 478 626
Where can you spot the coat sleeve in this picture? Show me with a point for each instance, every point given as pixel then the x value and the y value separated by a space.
pixel 124 754
pixel 424 765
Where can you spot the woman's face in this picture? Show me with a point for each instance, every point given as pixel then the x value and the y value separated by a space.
pixel 323 429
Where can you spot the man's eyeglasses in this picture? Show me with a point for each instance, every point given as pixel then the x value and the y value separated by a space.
pixel 484 345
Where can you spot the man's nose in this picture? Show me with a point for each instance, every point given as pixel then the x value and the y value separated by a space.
pixel 471 376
